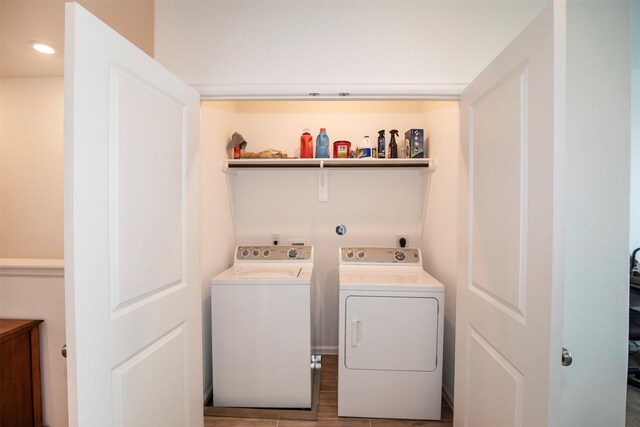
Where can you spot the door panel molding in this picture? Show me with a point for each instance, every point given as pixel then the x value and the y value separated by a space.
pixel 130 378
pixel 487 404
pixel 508 297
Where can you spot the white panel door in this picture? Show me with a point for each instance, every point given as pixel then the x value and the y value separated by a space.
pixel 391 333
pixel 504 341
pixel 133 302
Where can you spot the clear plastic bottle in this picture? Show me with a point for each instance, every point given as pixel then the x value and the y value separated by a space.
pixel 322 144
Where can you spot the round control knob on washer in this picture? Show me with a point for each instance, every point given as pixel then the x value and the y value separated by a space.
pixel 293 253
pixel 350 254
pixel 362 254
pixel 245 252
pixel 400 256
pixel 266 252
pixel 255 252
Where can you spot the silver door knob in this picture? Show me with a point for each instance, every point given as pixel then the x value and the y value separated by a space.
pixel 64 351
pixel 567 359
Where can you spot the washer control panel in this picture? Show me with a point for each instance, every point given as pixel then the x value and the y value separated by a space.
pixel 380 255
pixel 274 253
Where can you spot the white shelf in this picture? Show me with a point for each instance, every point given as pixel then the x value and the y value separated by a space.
pixel 323 165
pixel 424 164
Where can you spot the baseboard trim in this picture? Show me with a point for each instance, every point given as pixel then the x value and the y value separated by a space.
pixel 23 267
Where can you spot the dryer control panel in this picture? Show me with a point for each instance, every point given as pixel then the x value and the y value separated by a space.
pixel 375 255
pixel 274 253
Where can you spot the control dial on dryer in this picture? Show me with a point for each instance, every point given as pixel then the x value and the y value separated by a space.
pixel 245 252
pixel 350 254
pixel 400 256
pixel 293 253
pixel 362 254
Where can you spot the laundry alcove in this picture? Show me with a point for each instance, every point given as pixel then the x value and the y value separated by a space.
pixel 376 204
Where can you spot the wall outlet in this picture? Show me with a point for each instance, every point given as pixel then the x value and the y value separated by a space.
pixel 402 236
pixel 275 238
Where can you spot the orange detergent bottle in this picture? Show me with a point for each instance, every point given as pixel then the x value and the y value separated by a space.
pixel 306 145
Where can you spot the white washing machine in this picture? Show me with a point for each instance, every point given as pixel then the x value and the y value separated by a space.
pixel 390 338
pixel 261 328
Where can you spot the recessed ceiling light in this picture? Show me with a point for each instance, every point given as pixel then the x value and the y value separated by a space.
pixel 43 48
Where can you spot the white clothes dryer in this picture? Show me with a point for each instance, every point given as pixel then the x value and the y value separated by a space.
pixel 390 337
pixel 261 328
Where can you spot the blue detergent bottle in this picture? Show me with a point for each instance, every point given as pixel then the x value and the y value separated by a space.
pixel 322 145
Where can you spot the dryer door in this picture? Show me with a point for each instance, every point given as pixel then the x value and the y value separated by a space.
pixel 391 333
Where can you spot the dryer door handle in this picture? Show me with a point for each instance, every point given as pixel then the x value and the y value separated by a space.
pixel 356 333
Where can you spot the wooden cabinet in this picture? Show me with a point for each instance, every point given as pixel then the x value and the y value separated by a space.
pixel 20 390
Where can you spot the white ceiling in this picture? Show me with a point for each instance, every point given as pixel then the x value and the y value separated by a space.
pixel 23 21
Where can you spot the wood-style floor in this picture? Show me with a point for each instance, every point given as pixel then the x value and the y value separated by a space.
pixel 328 410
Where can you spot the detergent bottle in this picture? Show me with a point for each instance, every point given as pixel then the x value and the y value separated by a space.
pixel 365 150
pixel 306 145
pixel 322 144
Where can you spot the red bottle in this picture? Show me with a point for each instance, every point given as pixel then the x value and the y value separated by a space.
pixel 306 145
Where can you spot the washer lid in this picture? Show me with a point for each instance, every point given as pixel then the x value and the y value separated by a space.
pixel 385 278
pixel 265 274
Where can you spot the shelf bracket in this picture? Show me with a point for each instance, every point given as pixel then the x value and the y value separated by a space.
pixel 323 183
pixel 430 168
pixel 224 167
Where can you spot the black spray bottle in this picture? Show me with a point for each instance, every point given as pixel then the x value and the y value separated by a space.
pixel 393 146
pixel 381 145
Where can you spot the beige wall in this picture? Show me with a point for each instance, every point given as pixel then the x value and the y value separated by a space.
pixel 42 298
pixel 218 231
pixel 24 21
pixel 634 234
pixel 257 45
pixel 31 168
pixel 440 225
pixel 132 19
pixel 595 213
